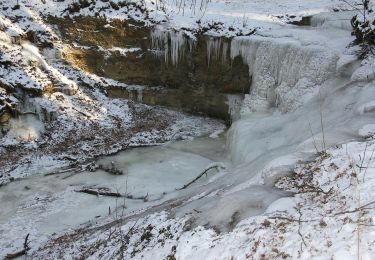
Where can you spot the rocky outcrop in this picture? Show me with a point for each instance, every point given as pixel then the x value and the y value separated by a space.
pixel 123 50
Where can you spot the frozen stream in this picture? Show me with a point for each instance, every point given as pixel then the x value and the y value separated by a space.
pixel 43 205
pixel 307 94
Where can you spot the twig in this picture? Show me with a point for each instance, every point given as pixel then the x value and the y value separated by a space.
pixel 367 166
pixel 290 219
pixel 299 226
pixel 312 136
pixel 124 240
pixel 363 159
pixel 351 5
pixel 199 176
pixel 355 210
pixel 321 121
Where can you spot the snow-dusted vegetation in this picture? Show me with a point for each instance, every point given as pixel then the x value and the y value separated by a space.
pixel 101 159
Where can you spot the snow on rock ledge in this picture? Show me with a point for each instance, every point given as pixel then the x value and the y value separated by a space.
pixel 366 72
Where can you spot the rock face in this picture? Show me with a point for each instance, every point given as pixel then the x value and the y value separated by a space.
pixel 197 80
pixel 8 108
pixel 4 121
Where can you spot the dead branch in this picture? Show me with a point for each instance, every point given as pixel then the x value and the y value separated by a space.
pixel 129 196
pixel 70 169
pixel 288 219
pixel 109 193
pixel 21 252
pixel 82 113
pixel 355 210
pixel 125 239
pixel 299 226
pixel 199 176
pixel 307 188
pixel 100 191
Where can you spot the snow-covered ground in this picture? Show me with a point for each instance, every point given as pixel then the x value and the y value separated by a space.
pixel 219 17
pixel 300 177
pixel 65 119
pixel 330 216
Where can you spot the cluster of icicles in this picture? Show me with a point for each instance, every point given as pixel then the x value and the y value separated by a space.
pixel 170 43
pixel 173 45
pixel 281 71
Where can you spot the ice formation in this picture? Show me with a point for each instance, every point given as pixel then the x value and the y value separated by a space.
pixel 282 72
pixel 172 43
pixel 285 73
pixel 26 127
pixel 217 48
pixel 234 103
pixel 136 94
pixel 340 20
pixel 43 113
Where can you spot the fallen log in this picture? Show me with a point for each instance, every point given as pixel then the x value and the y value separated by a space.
pixel 62 171
pixel 100 191
pixel 16 254
pixel 103 191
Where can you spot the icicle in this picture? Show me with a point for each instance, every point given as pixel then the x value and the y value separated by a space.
pixel 224 54
pixel 234 103
pixel 213 49
pixel 177 46
pixel 217 49
pixel 159 41
pixel 140 95
pixel 131 94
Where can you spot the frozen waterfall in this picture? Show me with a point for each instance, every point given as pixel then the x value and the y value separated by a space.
pixel 282 72
pixel 288 69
